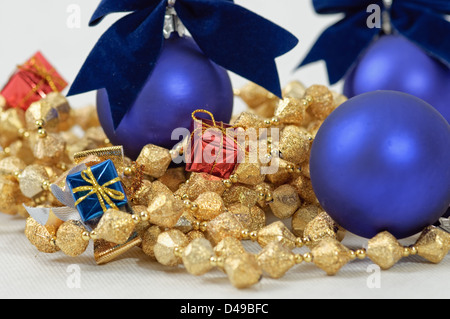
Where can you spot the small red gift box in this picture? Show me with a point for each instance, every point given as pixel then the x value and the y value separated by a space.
pixel 32 82
pixel 213 149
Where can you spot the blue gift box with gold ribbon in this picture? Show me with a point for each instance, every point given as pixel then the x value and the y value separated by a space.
pixel 96 189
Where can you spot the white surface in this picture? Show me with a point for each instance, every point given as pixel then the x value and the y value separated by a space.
pixel 29 25
pixel 27 273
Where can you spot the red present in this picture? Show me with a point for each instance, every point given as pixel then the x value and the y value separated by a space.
pixel 32 82
pixel 213 149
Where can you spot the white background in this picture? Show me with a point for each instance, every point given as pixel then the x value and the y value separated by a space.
pixel 29 25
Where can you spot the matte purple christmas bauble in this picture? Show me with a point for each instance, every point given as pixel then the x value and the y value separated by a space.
pixel 380 162
pixel 394 63
pixel 183 81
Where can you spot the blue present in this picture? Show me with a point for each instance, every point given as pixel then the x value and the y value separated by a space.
pixel 96 189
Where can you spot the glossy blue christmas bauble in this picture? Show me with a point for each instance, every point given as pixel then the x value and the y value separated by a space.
pixel 183 81
pixel 380 162
pixel 394 63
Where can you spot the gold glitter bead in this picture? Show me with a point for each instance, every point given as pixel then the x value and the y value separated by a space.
pixel 173 178
pixel 31 179
pixel 155 159
pixel 229 246
pixel 48 150
pixel 248 120
pixel 41 236
pixel 69 238
pixel 165 210
pixel 276 232
pixel 290 111
pixel 11 198
pixel 197 257
pixel 285 201
pixel 199 183
pixel 243 270
pixel 11 121
pixel 166 244
pixel 240 194
pixel 210 205
pixel 252 218
pixel 330 256
pixel 282 175
pixel 275 260
pixel 149 240
pixel 305 190
pixel 322 101
pixel 295 144
pixel 224 225
pixel 384 250
pixel 194 234
pixel 11 166
pixel 249 173
pixel 433 244
pixel 302 217
pixel 53 111
pixel 323 226
pixel 254 95
pixel 115 226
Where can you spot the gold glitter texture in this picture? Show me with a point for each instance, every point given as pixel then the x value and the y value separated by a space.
pixel 69 238
pixel 166 243
pixel 384 250
pixel 275 260
pixel 330 256
pixel 197 255
pixel 285 201
pixel 433 244
pixel 155 160
pixel 115 226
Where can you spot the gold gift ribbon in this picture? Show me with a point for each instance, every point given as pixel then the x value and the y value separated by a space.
pixel 103 192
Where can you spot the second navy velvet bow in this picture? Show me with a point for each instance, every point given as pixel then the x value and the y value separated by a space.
pixel 423 22
pixel 230 35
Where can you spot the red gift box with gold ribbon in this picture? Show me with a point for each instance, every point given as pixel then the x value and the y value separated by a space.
pixel 213 147
pixel 32 82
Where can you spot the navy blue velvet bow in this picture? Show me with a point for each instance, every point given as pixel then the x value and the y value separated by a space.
pixel 230 35
pixel 421 21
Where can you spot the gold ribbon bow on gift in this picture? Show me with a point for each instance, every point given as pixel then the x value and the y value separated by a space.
pixel 103 192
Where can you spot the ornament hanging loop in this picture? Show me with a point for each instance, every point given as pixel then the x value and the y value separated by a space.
pixel 386 17
pixel 171 22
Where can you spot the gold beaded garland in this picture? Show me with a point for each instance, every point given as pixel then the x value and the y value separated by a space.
pixel 211 234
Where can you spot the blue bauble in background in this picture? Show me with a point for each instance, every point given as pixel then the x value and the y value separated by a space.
pixel 183 81
pixel 380 162
pixel 394 63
